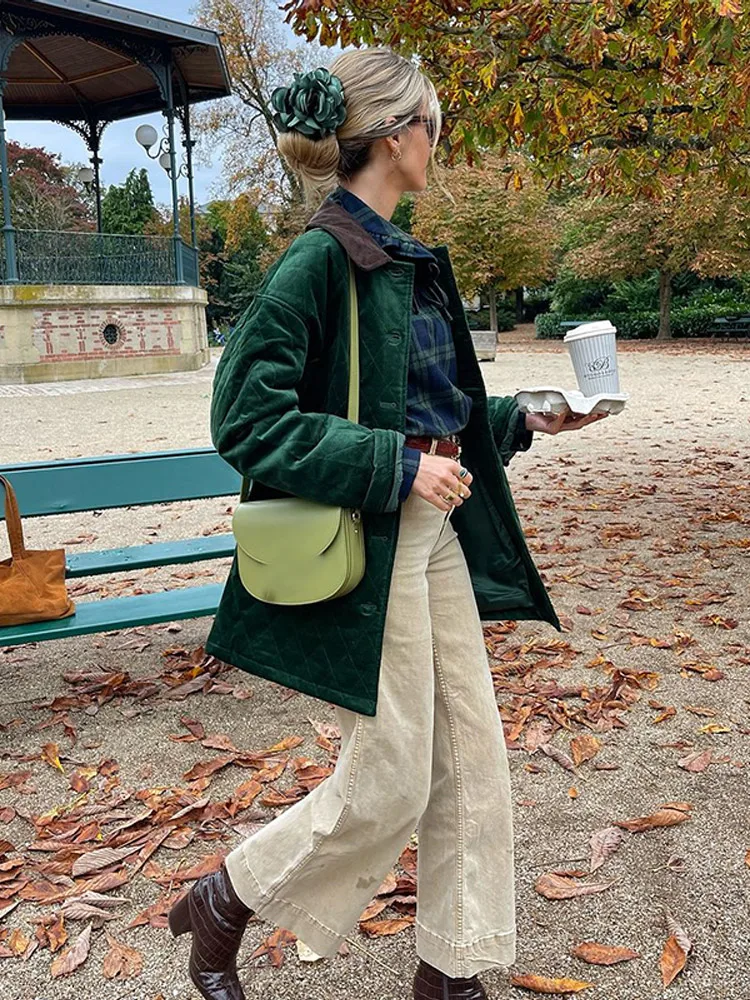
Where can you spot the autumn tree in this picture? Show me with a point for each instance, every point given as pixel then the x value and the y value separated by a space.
pixel 259 59
pixel 502 236
pixel 697 226
pixel 639 90
pixel 42 195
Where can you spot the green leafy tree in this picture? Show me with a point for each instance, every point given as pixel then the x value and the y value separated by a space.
pixel 129 208
pixel 501 236
pixel 698 226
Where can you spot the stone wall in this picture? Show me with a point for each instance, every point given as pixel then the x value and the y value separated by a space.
pixel 54 332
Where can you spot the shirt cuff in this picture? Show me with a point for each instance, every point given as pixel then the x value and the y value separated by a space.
pixel 411 459
pixel 522 439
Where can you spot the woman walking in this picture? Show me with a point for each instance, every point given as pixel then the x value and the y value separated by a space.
pixel 402 654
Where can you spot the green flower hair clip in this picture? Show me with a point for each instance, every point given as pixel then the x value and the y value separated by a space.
pixel 312 105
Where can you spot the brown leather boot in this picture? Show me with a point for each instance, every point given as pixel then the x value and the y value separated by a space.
pixel 429 984
pixel 214 914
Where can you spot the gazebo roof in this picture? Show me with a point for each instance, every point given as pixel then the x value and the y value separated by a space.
pixel 84 59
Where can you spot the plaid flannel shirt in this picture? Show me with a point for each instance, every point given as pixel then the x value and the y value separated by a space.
pixel 435 406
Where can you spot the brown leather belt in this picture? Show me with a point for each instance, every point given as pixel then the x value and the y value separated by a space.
pixel 449 447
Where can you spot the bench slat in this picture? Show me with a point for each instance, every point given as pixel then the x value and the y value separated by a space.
pixel 119 613
pixel 119 481
pixel 142 556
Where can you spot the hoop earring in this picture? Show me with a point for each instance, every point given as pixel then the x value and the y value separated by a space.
pixel 396 157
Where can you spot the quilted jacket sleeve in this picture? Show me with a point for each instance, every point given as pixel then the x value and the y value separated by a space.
pixel 508 427
pixel 256 422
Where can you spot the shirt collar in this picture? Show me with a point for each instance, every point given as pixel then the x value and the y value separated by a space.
pixel 382 230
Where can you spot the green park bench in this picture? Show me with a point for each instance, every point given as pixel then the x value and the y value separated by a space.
pixel 88 484
pixel 731 326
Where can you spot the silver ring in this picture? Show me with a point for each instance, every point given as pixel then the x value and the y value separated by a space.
pixel 463 473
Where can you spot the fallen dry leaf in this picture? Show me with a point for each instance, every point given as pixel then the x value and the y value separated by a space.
pixel 554 886
pixel 101 858
pixel 18 942
pixel 274 946
pixel 604 843
pixel 602 954
pixel 697 761
pixel 121 961
pixel 541 984
pixel 385 928
pixel 584 747
pixel 559 756
pixel 51 754
pixel 668 815
pixel 672 961
pixel 73 957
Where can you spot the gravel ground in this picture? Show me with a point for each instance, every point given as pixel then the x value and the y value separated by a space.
pixel 649 508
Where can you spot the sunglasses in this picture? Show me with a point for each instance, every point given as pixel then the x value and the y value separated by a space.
pixel 429 124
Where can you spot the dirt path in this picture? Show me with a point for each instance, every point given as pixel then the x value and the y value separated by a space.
pixel 641 528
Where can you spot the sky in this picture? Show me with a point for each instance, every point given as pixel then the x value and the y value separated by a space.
pixel 119 151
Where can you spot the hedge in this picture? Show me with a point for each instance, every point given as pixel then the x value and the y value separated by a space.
pixel 687 321
pixel 480 319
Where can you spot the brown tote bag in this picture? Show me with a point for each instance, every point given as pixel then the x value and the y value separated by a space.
pixel 32 583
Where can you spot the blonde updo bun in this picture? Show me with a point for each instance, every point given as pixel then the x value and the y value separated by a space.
pixel 378 84
pixel 314 161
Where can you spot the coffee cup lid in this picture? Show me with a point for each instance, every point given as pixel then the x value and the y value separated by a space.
pixel 590 330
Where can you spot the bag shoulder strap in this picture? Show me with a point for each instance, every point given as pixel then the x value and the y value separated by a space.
pixel 13 521
pixel 353 408
pixel 352 412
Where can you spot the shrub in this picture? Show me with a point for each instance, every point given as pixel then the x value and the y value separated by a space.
pixel 686 321
pixel 480 320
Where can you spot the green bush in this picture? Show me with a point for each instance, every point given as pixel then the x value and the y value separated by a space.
pixel 686 321
pixel 579 296
pixel 480 320
pixel 536 301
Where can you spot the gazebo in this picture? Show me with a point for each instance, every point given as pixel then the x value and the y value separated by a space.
pixel 86 303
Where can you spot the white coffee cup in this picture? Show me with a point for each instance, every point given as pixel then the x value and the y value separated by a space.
pixel 593 351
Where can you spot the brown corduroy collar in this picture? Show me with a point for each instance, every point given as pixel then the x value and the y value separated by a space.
pixel 355 239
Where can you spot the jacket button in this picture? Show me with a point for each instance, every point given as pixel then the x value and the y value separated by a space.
pixel 395 337
pixel 368 609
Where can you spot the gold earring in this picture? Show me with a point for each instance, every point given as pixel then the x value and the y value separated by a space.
pixel 396 154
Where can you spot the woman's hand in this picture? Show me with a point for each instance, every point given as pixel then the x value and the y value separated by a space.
pixel 437 478
pixel 553 423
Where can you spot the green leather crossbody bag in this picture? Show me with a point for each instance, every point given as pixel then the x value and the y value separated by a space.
pixel 296 551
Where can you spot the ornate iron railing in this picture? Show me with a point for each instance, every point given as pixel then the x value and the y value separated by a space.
pixel 190 273
pixel 75 258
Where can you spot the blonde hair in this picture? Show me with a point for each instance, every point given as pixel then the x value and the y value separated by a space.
pixel 378 84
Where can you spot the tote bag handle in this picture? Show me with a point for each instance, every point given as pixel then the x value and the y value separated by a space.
pixel 13 521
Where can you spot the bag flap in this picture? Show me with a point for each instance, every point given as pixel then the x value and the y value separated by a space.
pixel 286 529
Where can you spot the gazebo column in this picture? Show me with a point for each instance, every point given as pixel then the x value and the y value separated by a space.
pixel 96 161
pixel 177 241
pixel 188 143
pixel 9 233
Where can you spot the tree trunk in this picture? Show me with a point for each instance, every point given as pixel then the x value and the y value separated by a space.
pixel 492 295
pixel 665 305
pixel 519 305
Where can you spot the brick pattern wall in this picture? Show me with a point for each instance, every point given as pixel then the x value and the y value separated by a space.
pixel 77 333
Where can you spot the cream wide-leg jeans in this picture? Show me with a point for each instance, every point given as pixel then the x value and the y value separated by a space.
pixel 433 757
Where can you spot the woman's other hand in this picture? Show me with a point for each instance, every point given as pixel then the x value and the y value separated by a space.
pixel 553 423
pixel 438 478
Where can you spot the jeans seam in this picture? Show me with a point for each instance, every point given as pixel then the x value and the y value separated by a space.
pixel 460 840
pixel 284 880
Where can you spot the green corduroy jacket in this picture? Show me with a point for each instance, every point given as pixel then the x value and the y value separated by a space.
pixel 278 417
